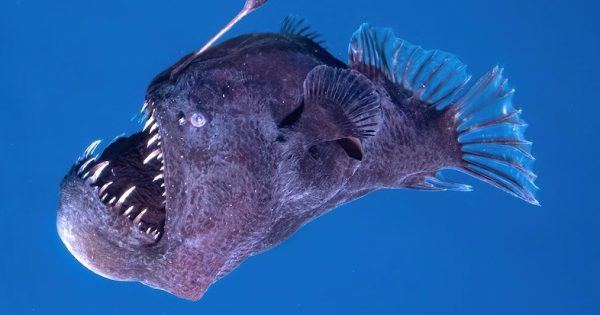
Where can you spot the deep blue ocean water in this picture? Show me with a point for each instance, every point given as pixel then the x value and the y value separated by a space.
pixel 75 71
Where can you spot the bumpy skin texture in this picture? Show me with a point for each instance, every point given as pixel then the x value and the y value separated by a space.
pixel 242 183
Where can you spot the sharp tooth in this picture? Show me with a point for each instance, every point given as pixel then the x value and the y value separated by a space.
pixel 152 140
pixel 162 168
pixel 162 185
pixel 128 211
pixel 103 188
pixel 112 200
pixel 154 126
pixel 97 170
pixel 91 148
pixel 152 155
pixel 144 107
pixel 148 123
pixel 104 197
pixel 85 165
pixel 124 196
pixel 159 156
pixel 138 217
pixel 157 177
pixel 156 235
pixel 164 194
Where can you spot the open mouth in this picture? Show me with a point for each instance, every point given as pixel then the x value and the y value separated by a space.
pixel 129 177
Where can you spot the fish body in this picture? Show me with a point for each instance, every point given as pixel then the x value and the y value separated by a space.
pixel 259 135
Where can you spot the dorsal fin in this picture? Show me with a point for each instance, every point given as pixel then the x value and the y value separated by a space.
pixel 295 25
pixel 433 76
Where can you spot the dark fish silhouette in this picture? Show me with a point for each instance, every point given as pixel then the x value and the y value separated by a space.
pixel 247 141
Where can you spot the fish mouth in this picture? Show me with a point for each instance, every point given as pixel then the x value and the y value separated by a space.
pixel 129 177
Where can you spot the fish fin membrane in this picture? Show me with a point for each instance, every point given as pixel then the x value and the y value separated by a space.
pixel 490 129
pixel 491 136
pixel 434 77
pixel 436 182
pixel 347 97
pixel 295 25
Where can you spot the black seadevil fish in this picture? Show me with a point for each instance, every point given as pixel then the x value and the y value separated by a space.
pixel 249 140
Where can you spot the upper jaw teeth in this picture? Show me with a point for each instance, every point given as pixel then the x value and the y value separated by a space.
pixel 149 122
pixel 151 127
pixel 152 140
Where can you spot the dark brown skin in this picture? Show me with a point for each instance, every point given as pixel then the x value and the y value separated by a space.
pixel 254 172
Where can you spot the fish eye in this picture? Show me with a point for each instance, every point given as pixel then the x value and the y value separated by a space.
pixel 198 120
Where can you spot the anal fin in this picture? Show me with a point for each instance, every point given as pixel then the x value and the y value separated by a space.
pixel 436 182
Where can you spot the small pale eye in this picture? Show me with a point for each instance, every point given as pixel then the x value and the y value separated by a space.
pixel 182 121
pixel 198 120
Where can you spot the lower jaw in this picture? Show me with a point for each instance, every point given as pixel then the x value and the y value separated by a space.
pixel 129 180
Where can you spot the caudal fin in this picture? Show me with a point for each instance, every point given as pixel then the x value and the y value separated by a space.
pixel 490 131
pixel 491 136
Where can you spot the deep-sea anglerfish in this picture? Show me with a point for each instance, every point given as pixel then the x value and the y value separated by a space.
pixel 246 141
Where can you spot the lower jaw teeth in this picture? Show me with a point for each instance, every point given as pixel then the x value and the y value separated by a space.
pixel 103 188
pixel 128 211
pixel 85 165
pixel 97 170
pixel 110 187
pixel 124 197
pixel 139 217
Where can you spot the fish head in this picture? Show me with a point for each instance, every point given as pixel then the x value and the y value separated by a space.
pixel 179 203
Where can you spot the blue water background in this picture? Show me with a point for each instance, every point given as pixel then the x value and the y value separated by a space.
pixel 75 71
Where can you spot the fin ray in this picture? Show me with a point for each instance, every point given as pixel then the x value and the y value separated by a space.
pixel 436 182
pixel 295 25
pixel 490 130
pixel 433 76
pixel 491 135
pixel 348 97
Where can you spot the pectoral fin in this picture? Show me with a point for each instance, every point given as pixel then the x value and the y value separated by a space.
pixel 339 104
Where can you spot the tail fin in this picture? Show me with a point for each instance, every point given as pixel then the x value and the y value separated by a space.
pixel 490 131
pixel 491 136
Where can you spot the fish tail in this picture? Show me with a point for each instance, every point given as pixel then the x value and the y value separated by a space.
pixel 490 143
pixel 490 133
